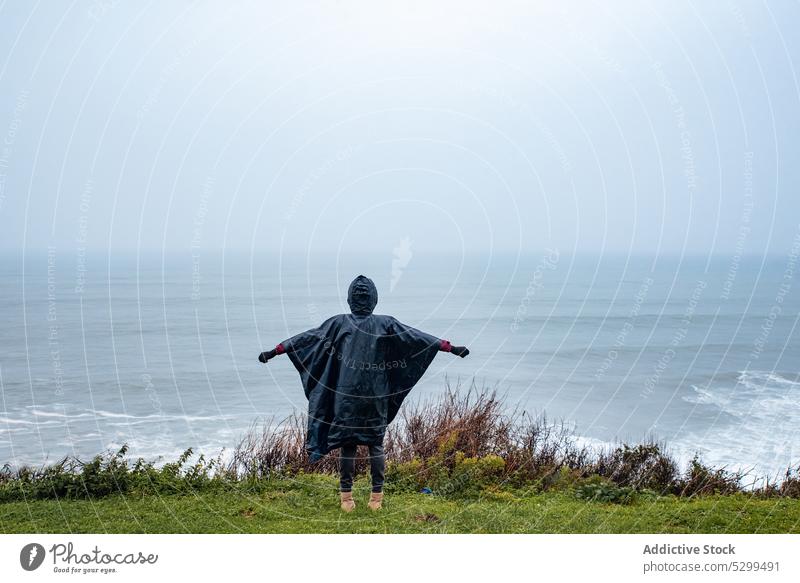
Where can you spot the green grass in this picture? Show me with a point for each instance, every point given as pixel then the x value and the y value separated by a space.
pixel 309 504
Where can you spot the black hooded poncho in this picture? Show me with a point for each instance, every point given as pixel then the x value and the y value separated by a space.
pixel 356 370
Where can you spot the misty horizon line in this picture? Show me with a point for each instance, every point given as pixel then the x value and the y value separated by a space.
pixel 467 254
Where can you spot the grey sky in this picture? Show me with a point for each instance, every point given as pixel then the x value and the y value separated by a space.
pixel 350 126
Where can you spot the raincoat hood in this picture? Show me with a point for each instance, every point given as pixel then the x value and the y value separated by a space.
pixel 362 296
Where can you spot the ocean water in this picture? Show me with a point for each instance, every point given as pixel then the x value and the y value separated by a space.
pixel 160 352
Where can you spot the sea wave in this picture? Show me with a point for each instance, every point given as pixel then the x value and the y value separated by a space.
pixel 757 423
pixel 18 421
pixel 159 416
pixel 40 413
pixel 753 393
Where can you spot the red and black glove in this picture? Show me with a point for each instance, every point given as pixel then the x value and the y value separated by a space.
pixel 445 346
pixel 265 356
pixel 461 351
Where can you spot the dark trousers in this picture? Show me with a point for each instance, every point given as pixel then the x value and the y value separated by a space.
pixel 347 467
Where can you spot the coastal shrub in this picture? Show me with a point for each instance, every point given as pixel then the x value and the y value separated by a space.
pixel 466 476
pixel 703 480
pixel 789 487
pixel 472 422
pixel 106 474
pixel 273 449
pixel 469 476
pixel 561 479
pixel 643 466
pixel 405 476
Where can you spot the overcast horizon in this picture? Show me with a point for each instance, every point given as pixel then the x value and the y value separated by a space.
pixel 351 128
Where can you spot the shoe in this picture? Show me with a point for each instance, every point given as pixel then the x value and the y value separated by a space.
pixel 348 504
pixel 375 500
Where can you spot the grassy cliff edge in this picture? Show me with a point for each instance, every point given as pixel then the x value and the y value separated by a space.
pixel 462 463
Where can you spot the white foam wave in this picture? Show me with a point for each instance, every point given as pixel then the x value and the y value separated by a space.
pixel 17 421
pixel 159 416
pixel 12 421
pixel 756 427
pixel 760 379
pixel 4 431
pixel 703 396
pixel 40 413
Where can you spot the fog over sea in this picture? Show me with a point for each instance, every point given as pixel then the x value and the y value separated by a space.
pixel 160 353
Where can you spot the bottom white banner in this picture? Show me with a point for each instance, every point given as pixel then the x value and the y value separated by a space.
pixel 400 557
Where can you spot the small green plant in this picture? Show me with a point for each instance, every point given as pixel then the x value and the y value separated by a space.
pixel 598 489
pixel 405 476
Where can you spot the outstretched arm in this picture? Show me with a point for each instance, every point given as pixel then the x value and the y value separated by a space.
pixel 400 329
pixel 304 339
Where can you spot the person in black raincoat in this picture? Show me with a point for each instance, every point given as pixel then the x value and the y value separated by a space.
pixel 356 370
